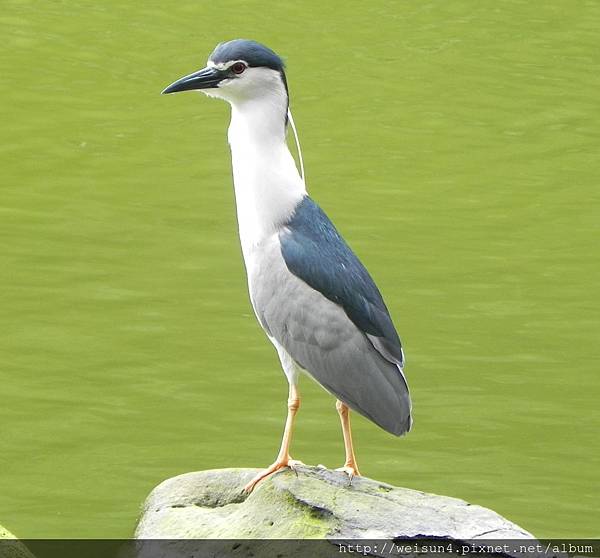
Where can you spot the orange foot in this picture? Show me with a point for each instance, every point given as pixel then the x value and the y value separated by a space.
pixel 279 464
pixel 351 470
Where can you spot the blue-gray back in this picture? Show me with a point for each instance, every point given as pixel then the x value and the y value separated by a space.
pixel 315 252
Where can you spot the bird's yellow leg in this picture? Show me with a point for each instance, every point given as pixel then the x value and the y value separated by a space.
pixel 350 467
pixel 283 458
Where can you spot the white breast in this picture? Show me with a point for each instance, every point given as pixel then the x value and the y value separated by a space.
pixel 267 183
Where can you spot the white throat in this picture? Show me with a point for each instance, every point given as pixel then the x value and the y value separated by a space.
pixel 267 183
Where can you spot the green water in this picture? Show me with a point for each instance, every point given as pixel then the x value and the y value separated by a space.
pixel 455 144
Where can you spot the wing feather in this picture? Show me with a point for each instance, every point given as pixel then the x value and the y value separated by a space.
pixel 315 252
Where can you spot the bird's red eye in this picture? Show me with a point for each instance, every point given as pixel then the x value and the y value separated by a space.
pixel 238 67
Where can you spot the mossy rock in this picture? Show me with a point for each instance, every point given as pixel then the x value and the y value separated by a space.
pixel 312 502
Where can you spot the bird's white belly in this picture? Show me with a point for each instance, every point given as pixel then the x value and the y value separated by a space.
pixel 265 268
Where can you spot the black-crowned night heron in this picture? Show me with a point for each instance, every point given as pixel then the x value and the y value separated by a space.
pixel 316 302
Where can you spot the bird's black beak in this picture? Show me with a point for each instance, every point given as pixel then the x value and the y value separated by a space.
pixel 202 79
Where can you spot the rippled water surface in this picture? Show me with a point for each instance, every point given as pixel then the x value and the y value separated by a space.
pixel 455 144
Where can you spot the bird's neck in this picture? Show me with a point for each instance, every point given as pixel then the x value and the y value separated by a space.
pixel 267 184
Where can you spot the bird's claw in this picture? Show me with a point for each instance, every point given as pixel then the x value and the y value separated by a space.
pixel 293 464
pixel 351 471
pixel 279 464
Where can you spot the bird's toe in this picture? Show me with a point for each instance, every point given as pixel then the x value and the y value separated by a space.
pixel 293 464
pixel 279 464
pixel 350 470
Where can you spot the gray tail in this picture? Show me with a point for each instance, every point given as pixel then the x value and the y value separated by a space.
pixel 382 397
